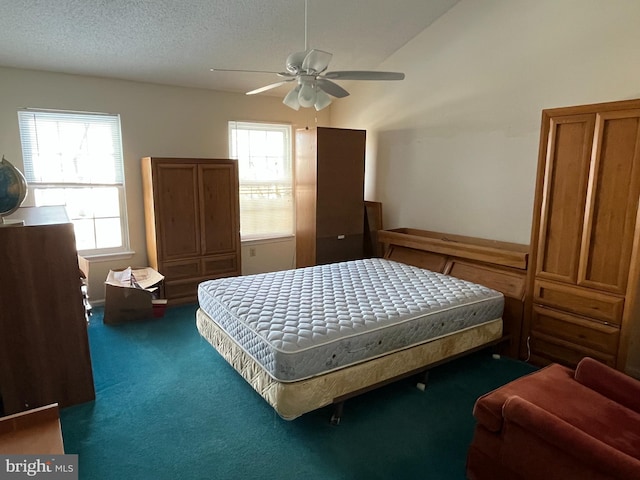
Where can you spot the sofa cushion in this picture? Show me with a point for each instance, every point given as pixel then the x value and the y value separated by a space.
pixel 610 383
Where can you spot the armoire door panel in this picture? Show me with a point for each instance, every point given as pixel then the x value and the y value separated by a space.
pixel 567 171
pixel 218 212
pixel 305 226
pixel 340 182
pixel 177 206
pixel 612 202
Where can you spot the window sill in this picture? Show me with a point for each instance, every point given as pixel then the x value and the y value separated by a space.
pixel 259 240
pixel 107 257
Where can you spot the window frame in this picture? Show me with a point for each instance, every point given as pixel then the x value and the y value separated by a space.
pixel 26 117
pixel 287 129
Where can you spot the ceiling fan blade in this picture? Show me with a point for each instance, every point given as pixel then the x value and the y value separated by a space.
pixel 268 87
pixel 316 60
pixel 331 88
pixel 242 71
pixel 363 75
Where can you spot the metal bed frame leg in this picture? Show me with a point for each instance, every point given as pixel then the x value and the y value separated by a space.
pixel 337 413
pixel 423 378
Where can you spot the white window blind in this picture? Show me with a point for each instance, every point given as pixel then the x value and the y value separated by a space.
pixel 75 159
pixel 265 169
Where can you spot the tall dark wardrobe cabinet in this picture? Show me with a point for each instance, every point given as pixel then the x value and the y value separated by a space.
pixel 329 195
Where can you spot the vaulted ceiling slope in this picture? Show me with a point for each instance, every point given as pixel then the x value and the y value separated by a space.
pixel 176 42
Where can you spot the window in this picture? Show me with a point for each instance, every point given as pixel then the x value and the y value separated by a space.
pixel 75 159
pixel 266 179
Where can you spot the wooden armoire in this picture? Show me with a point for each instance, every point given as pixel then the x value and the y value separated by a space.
pixel 329 195
pixel 192 218
pixel 44 346
pixel 583 284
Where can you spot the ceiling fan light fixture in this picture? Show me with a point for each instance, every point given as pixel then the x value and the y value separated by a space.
pixel 291 100
pixel 322 99
pixel 307 95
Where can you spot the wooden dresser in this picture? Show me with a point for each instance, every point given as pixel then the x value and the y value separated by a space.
pixel 329 195
pixel 44 349
pixel 583 285
pixel 498 265
pixel 192 219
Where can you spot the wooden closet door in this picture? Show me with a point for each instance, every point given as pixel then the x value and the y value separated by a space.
pixel 340 195
pixel 564 195
pixel 218 212
pixel 612 203
pixel 177 219
pixel 340 182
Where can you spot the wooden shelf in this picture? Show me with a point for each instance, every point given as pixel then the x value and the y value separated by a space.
pixel 491 251
pixel 34 432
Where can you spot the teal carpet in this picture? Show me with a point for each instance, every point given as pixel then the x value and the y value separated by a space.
pixel 169 407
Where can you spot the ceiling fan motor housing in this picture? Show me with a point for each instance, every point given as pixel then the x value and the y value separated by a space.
pixel 294 61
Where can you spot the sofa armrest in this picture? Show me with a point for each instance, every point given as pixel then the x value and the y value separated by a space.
pixel 609 382
pixel 569 440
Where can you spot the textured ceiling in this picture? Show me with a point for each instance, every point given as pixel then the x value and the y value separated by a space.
pixel 176 42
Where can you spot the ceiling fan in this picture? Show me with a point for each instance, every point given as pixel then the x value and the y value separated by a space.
pixel 315 85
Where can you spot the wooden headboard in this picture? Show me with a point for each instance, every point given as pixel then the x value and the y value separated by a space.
pixel 498 265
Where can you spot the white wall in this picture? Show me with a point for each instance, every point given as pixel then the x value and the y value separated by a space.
pixel 156 120
pixel 454 146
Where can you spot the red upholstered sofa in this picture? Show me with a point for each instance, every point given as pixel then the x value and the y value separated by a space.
pixel 557 423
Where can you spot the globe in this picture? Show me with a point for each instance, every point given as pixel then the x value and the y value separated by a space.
pixel 13 188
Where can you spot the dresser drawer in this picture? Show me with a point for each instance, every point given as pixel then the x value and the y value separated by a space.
pixel 180 269
pixel 545 349
pixel 572 328
pixel 220 264
pixel 607 308
pixel 187 290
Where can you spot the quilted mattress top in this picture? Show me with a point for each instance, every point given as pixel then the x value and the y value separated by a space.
pixel 302 322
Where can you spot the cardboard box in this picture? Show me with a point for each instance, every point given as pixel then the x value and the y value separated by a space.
pixel 130 293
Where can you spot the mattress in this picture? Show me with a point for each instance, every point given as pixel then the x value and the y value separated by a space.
pixel 301 323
